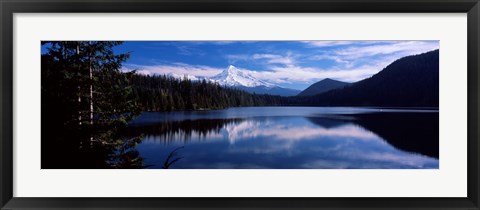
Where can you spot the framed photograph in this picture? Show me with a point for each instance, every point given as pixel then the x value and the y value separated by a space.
pixel 239 105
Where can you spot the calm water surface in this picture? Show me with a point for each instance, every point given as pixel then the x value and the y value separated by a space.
pixel 288 138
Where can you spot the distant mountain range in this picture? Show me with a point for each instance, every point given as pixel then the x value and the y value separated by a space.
pixel 411 81
pixel 322 87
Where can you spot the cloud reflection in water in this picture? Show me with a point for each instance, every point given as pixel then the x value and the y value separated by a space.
pixel 276 142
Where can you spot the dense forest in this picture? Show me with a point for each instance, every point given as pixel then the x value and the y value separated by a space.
pixel 165 93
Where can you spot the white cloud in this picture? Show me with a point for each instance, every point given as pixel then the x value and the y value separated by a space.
pixel 352 63
pixel 337 59
pixel 276 59
pixel 395 49
pixel 175 68
pixel 283 60
pixel 400 48
pixel 289 74
pixel 267 56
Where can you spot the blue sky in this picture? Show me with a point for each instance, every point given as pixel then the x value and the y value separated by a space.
pixel 291 64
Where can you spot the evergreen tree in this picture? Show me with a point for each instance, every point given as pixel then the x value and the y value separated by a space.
pixel 85 101
pixel 164 93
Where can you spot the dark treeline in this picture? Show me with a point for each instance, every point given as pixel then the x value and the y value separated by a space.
pixel 165 93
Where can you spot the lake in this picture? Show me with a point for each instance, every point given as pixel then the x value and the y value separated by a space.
pixel 289 138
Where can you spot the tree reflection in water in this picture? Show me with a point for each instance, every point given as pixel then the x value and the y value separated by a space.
pixel 413 133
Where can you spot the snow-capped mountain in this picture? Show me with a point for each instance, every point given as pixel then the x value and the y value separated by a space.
pixel 233 76
pixel 244 80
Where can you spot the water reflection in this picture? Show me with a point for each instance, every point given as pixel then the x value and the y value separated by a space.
pixel 380 140
pixel 413 132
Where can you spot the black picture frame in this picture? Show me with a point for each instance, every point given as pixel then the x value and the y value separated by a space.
pixel 10 7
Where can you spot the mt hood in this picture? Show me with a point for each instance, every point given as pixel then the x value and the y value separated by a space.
pixel 244 80
pixel 233 76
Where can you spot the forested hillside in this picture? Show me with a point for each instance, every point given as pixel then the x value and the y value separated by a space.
pixel 164 93
pixel 411 81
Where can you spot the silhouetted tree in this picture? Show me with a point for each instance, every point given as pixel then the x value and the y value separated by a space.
pixel 85 100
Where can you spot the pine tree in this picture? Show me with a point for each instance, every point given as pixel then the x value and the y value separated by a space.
pixel 86 100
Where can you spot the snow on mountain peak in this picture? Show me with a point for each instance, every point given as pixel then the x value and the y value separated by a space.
pixel 232 76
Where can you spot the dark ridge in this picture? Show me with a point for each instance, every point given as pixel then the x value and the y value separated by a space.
pixel 322 87
pixel 411 81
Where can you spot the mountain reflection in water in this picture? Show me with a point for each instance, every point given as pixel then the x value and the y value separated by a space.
pixel 362 140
